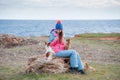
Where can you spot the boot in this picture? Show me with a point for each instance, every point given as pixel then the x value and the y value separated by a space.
pixel 73 70
pixel 82 71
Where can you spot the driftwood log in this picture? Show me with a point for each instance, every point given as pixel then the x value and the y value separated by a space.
pixel 39 65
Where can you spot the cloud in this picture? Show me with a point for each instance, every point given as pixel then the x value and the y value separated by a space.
pixel 67 9
pixel 116 2
pixel 34 3
pixel 61 3
pixel 74 3
pixel 96 3
pixel 48 3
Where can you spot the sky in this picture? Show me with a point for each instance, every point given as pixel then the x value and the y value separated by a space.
pixel 60 9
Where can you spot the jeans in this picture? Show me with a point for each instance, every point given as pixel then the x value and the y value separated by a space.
pixel 75 60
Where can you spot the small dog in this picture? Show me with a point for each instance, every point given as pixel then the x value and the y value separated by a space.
pixel 88 67
pixel 49 52
pixel 68 42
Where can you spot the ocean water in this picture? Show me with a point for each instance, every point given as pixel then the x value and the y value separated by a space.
pixel 71 27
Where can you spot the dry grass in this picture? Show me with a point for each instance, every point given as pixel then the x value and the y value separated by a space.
pixel 104 56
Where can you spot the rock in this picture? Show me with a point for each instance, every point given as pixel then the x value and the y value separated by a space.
pixel 57 65
pixel 8 41
pixel 76 35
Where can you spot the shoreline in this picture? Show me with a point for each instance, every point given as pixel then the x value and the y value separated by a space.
pixel 48 35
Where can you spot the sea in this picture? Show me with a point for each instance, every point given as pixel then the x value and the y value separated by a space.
pixel 70 27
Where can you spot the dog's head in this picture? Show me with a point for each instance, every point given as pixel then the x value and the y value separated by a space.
pixel 68 40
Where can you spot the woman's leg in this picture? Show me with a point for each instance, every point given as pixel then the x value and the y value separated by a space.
pixel 69 53
pixel 80 63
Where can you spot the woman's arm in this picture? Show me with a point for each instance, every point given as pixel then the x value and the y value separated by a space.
pixel 53 43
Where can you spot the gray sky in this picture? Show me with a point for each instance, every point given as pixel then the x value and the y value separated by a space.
pixel 59 9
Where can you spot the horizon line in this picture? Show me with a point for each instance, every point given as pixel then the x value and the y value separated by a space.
pixel 60 19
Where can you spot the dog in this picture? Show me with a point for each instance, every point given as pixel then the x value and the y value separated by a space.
pixel 68 42
pixel 88 67
pixel 49 52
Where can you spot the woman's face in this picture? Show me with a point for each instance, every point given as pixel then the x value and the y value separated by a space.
pixel 58 31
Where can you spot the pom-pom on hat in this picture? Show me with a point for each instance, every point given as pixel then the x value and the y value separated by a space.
pixel 59 25
pixel 58 21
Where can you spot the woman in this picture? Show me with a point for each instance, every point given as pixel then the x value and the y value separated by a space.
pixel 57 43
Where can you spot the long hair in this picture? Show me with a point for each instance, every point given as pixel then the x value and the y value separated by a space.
pixel 60 36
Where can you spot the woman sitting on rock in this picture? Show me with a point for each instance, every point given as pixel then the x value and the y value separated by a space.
pixel 57 43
